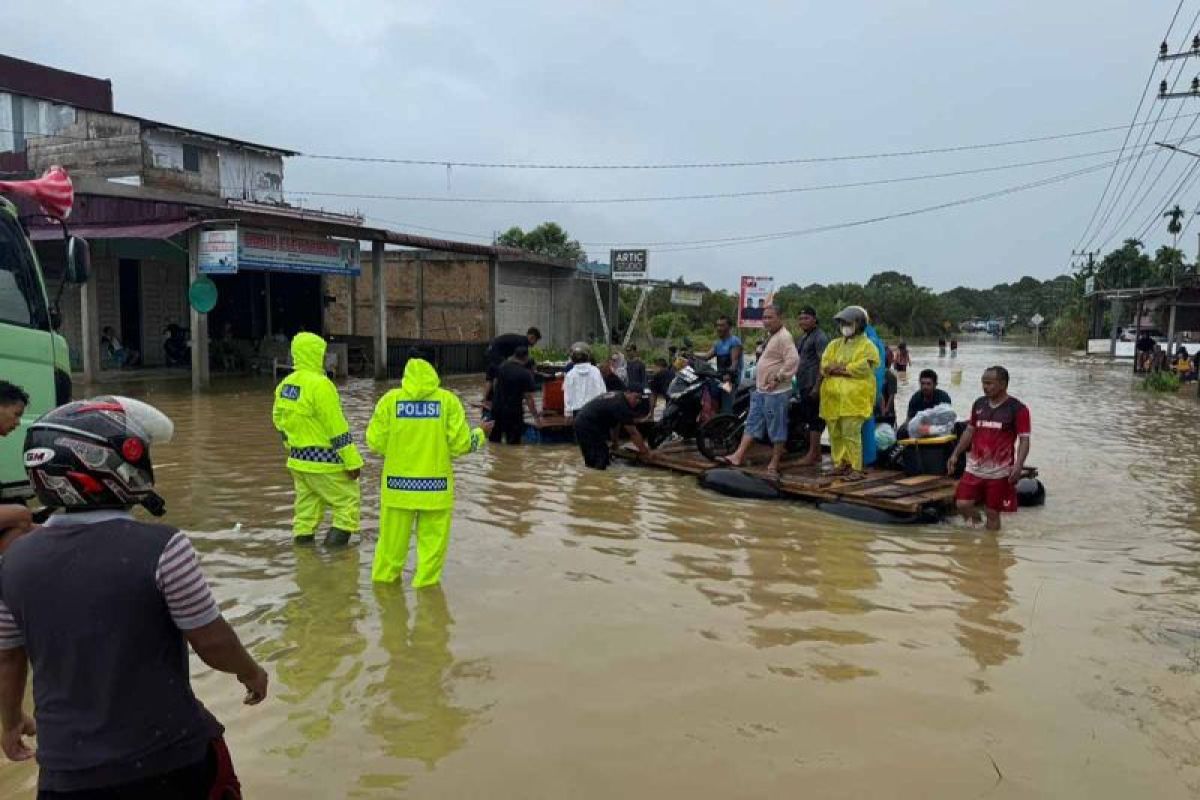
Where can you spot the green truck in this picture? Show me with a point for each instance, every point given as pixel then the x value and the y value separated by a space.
pixel 32 354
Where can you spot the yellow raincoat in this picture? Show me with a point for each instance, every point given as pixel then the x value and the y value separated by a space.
pixel 847 401
pixel 418 429
pixel 321 452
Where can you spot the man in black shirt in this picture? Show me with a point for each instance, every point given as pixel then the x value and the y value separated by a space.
pixel 599 423
pixel 512 393
pixel 635 369
pixel 928 396
pixel 502 348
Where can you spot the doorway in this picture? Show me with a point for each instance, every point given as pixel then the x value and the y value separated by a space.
pixel 129 288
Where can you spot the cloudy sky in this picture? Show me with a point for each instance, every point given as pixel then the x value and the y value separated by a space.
pixel 611 82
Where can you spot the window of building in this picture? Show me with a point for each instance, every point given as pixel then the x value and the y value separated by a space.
pixel 191 158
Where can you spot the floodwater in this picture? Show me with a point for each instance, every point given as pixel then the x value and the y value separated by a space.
pixel 627 634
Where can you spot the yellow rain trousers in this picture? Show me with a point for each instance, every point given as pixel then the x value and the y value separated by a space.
pixel 419 429
pixel 318 492
pixel 845 441
pixel 847 401
pixel 396 528
pixel 308 415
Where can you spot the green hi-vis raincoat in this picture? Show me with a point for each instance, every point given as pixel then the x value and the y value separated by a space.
pixel 418 429
pixel 852 396
pixel 308 412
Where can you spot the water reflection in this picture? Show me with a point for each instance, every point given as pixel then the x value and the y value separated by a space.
pixel 410 697
pixel 318 652
pixel 979 572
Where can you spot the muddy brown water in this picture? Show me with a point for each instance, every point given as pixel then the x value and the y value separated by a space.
pixel 629 634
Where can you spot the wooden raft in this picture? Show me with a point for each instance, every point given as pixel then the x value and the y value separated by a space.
pixel 890 490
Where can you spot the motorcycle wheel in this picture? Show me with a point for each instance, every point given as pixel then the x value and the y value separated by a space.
pixel 719 436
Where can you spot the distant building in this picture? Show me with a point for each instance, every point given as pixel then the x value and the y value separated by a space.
pixel 147 192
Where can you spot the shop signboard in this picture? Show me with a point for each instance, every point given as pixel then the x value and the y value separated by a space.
pixel 628 265
pixel 687 297
pixel 282 251
pixel 218 254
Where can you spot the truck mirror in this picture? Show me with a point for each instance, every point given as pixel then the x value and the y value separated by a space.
pixel 79 260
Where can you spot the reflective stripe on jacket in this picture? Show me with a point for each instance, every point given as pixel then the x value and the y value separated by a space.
pixel 308 413
pixel 419 429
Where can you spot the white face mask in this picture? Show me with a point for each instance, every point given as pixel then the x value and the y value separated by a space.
pixel 847 331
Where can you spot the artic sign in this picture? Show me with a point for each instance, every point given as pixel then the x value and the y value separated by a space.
pixel 628 264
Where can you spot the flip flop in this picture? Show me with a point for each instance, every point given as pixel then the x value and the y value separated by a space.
pixel 725 462
pixel 773 476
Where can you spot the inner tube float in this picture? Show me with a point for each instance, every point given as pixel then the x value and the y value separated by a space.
pixel 735 483
pixel 1030 492
pixel 879 516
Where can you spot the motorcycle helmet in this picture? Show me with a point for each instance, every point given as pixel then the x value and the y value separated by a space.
pixel 95 454
pixel 853 315
pixel 580 352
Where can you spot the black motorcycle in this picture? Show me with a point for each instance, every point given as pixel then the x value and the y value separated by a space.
pixel 720 436
pixel 685 403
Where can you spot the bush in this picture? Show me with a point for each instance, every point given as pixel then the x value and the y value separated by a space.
pixel 1161 382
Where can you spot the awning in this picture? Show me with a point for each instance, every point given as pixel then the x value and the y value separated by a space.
pixel 149 230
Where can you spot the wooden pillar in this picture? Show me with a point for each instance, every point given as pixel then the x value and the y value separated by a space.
pixel 199 321
pixel 353 311
pixel 1171 330
pixel 494 280
pixel 379 287
pixel 420 298
pixel 1116 326
pixel 89 327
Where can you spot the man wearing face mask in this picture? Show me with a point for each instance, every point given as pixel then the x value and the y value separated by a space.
pixel 848 390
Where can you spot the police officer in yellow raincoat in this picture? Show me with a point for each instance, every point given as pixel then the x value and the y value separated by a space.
pixel 418 429
pixel 322 457
pixel 848 389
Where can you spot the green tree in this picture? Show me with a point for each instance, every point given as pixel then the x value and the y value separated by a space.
pixel 548 239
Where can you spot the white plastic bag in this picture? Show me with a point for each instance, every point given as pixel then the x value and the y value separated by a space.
pixel 936 421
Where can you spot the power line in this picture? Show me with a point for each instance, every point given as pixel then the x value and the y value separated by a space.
pixel 716 164
pixel 1145 136
pixel 1132 124
pixel 705 196
pixel 698 244
pixel 703 244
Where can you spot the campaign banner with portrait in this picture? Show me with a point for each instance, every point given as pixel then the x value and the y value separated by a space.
pixel 757 292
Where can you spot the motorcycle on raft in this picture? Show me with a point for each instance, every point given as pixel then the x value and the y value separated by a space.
pixel 692 413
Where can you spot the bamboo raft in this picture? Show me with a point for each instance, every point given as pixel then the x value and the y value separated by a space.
pixel 887 490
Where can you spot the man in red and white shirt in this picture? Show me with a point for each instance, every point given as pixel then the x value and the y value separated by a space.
pixel 997 438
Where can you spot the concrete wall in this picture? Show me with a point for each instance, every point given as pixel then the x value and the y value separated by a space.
pixel 96 144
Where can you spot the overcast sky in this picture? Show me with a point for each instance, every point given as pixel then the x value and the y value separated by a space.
pixel 605 81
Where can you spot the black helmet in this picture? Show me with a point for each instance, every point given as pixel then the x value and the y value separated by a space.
pixel 95 454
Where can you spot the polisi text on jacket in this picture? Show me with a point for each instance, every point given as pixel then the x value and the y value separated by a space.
pixel 418 409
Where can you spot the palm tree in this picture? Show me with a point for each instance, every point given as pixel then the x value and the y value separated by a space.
pixel 1175 227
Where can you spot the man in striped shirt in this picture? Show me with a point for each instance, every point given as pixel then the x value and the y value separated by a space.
pixel 103 607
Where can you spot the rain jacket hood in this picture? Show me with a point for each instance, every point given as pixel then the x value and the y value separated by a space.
pixel 308 413
pixel 420 379
pixel 308 352
pixel 419 429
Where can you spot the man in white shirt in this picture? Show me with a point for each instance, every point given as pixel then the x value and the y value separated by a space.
pixel 582 383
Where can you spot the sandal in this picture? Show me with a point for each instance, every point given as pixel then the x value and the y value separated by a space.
pixel 725 462
pixel 773 476
pixel 854 475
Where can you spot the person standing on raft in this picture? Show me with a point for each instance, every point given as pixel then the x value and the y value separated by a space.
pixel 322 458
pixel 419 429
pixel 848 390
